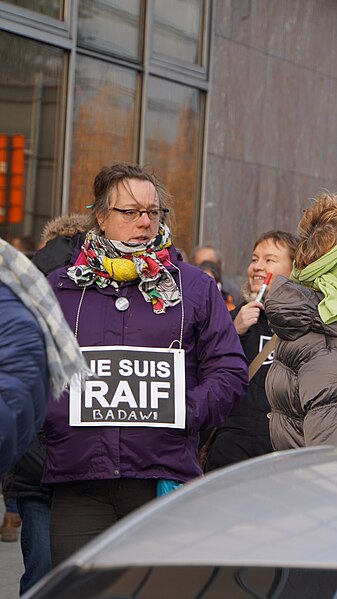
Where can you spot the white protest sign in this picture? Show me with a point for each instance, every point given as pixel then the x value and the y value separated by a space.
pixel 132 386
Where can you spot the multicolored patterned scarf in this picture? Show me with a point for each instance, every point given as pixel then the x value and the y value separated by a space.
pixel 106 262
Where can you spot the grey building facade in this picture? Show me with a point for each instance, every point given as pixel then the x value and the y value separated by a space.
pixel 272 132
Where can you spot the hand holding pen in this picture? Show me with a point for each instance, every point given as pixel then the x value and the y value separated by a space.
pixel 250 312
pixel 263 288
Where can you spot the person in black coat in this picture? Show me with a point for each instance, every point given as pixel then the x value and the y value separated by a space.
pixel 245 434
pixel 60 238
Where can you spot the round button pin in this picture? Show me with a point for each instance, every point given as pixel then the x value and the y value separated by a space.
pixel 122 304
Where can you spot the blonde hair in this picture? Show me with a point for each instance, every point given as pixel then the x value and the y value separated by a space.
pixel 317 230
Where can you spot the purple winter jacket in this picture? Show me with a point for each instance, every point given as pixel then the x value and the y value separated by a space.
pixel 216 379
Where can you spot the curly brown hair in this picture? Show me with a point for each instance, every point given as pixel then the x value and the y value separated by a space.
pixel 317 230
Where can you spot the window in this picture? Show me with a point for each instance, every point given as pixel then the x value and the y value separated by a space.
pixel 178 30
pixel 50 8
pixel 105 123
pixel 112 26
pixel 31 133
pixel 189 582
pixel 173 131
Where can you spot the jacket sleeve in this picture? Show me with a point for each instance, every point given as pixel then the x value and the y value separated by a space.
pixel 222 365
pixel 23 378
pixel 317 382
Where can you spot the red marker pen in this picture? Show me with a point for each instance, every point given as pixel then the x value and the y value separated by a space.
pixel 263 288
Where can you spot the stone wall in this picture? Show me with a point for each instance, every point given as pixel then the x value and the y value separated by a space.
pixel 272 134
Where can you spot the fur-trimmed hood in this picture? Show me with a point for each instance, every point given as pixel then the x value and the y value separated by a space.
pixel 66 225
pixel 61 238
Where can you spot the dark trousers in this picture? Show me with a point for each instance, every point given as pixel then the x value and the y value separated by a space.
pixel 82 510
pixel 35 544
pixel 235 445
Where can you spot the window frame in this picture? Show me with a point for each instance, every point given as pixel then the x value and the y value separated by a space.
pixel 23 21
pixel 119 57
pixel 198 73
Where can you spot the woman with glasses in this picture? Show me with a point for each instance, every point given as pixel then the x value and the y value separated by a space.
pixel 165 357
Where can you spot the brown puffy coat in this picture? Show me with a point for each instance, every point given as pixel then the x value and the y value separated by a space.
pixel 301 384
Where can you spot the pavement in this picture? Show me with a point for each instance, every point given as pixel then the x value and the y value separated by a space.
pixel 11 566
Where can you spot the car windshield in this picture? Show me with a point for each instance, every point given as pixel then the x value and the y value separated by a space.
pixel 193 582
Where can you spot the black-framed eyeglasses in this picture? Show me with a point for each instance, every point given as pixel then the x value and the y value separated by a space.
pixel 132 215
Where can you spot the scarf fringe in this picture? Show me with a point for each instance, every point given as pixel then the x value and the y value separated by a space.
pixel 64 357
